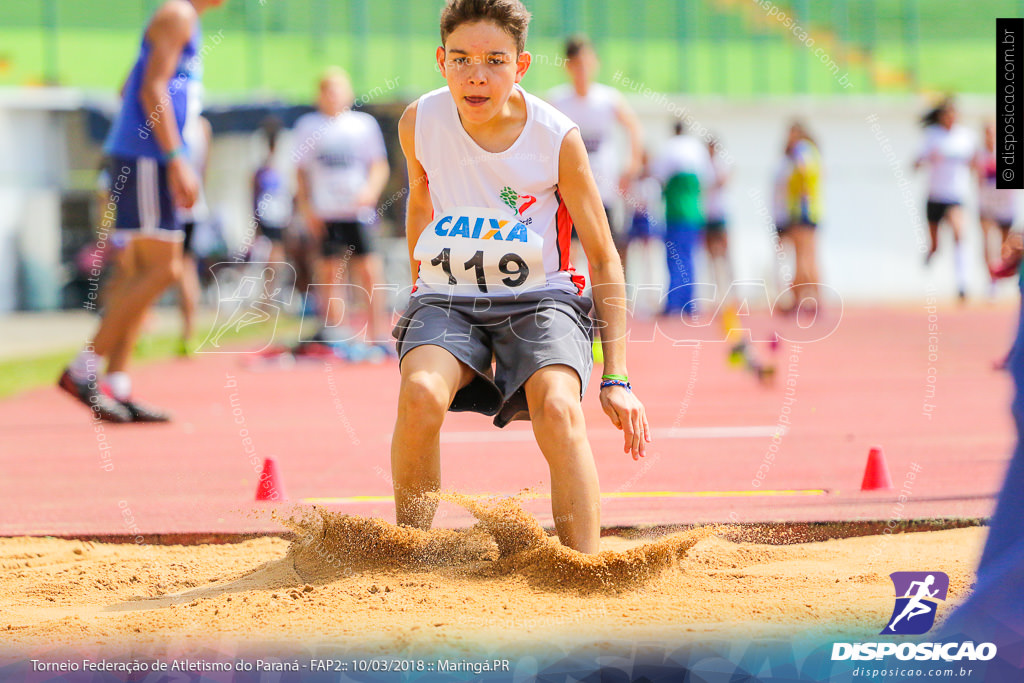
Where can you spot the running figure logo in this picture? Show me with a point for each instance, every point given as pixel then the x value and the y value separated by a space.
pixel 256 299
pixel 512 199
pixel 917 600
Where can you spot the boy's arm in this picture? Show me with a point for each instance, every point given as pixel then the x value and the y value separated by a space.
pixel 420 211
pixel 379 172
pixel 628 120
pixel 256 198
pixel 168 34
pixel 207 130
pixel 925 155
pixel 304 138
pixel 579 192
pixel 304 200
pixel 376 181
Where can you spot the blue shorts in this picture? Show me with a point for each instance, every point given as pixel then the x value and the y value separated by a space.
pixel 714 226
pixel 640 228
pixel 139 188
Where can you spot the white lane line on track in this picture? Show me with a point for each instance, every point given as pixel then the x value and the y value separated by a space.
pixel 738 432
pixel 748 493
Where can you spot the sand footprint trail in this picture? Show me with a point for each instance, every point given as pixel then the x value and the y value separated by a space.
pixel 506 541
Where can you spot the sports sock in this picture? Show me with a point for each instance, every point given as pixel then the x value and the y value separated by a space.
pixel 85 366
pixel 960 266
pixel 120 385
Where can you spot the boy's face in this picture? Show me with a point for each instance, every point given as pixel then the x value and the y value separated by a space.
pixel 335 95
pixel 795 135
pixel 583 67
pixel 481 64
pixel 947 117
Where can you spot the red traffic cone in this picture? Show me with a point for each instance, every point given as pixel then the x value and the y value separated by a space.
pixel 876 474
pixel 270 486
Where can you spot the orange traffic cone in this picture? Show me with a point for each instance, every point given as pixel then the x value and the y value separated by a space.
pixel 876 474
pixel 270 486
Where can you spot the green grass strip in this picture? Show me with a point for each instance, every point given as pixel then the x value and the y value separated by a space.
pixel 18 375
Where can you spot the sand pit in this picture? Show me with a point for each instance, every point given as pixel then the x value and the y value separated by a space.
pixel 365 585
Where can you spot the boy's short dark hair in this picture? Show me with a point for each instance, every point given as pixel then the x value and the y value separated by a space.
pixel 511 15
pixel 574 45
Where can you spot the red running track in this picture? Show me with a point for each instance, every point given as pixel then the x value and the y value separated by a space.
pixel 329 427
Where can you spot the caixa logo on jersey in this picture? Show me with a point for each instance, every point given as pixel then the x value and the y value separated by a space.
pixel 917 601
pixel 481 227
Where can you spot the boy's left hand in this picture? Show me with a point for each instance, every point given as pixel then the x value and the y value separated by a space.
pixel 1012 247
pixel 628 414
pixel 366 197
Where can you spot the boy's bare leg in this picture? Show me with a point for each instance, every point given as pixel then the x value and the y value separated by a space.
pixel 431 376
pixel 933 245
pixel 277 256
pixel 553 395
pixel 367 271
pixel 805 273
pixel 188 301
pixel 124 267
pixel 329 272
pixel 156 264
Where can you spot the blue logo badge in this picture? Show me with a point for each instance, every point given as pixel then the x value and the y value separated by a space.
pixel 917 600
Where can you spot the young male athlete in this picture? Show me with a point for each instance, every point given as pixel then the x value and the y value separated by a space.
pixel 948 150
pixel 497 180
pixel 342 170
pixel 197 136
pixel 152 176
pixel 597 109
pixel 683 168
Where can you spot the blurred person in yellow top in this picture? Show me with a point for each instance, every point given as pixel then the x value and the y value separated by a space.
pixel 804 204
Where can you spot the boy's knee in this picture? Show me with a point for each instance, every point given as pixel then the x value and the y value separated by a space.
pixel 559 409
pixel 423 398
pixel 166 271
pixel 175 269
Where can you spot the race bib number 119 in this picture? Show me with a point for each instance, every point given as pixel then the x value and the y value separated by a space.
pixel 475 252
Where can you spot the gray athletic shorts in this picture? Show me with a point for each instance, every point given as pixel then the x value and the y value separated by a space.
pixel 519 334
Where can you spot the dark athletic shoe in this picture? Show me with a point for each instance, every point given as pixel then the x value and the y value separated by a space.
pixel 140 412
pixel 89 395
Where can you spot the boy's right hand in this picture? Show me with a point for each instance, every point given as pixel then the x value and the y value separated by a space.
pixel 628 414
pixel 183 183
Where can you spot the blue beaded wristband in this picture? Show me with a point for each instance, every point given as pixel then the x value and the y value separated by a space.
pixel 617 383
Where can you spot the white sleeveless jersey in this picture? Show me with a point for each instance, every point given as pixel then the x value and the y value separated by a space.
pixel 596 113
pixel 499 225
pixel 338 152
pixel 949 153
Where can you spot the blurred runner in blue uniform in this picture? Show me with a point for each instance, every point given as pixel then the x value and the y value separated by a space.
pixel 150 176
